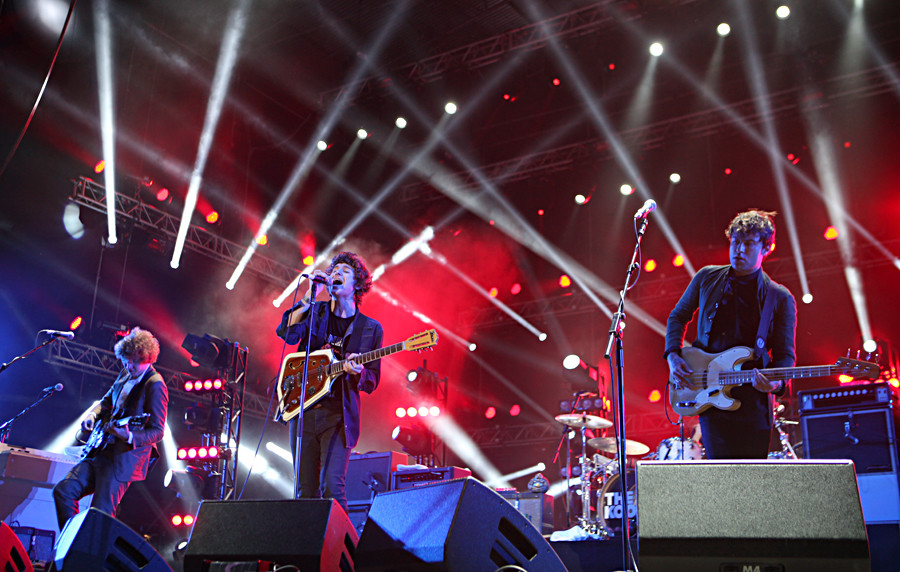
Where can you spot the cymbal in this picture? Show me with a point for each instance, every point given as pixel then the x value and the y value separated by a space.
pixel 583 420
pixel 609 445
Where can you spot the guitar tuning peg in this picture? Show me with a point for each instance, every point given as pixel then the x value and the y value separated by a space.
pixel 869 356
pixel 848 353
pixel 857 354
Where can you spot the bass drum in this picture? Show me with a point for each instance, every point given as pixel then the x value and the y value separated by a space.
pixel 610 503
pixel 675 449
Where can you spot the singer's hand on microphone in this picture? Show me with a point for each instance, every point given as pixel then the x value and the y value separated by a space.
pixel 320 279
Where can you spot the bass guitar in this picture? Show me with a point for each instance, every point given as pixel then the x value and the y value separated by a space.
pixel 322 369
pixel 715 375
pixel 100 438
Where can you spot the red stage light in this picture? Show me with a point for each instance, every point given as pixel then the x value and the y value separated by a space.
pixel 678 261
pixel 212 217
pixel 434 410
pixel 556 81
pixel 831 233
pixel 490 412
pixel 565 281
pixel 201 452
pixel 612 66
pixel 654 396
pixel 516 288
pixel 894 382
pixel 188 520
pixel 650 265
pixel 188 385
pixel 411 411
pixel 515 410
pixel 400 412
pixel 162 194
pixel 790 156
pixel 76 323
pixel 845 378
pixel 540 212
pixel 493 292
pixel 309 260
pixel 506 96
pixel 207 384
pixel 213 452
pixel 98 168
pixel 263 240
pixel 728 170
pixel 423 411
pixel 182 453
pixel 491 222
pixel 192 453
pixel 177 520
pixel 846 144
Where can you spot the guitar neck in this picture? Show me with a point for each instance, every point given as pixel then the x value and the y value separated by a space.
pixel 338 366
pixel 780 373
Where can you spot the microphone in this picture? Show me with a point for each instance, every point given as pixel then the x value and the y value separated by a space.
pixel 57 334
pixel 318 279
pixel 649 207
pixel 57 387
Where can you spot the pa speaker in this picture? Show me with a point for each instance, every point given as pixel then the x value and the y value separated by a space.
pixel 13 557
pixel 93 540
pixel 790 516
pixel 310 534
pixel 458 526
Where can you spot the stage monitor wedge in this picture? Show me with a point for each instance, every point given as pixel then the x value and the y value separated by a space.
pixel 790 516
pixel 458 526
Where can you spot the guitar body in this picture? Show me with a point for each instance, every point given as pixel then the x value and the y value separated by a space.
pixel 322 369
pixel 99 438
pixel 699 396
pixel 318 383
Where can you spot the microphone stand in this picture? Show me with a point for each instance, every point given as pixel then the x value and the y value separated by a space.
pixel 615 337
pixel 50 340
pixel 298 440
pixel 7 426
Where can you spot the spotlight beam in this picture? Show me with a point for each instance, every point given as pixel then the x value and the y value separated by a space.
pixel 231 42
pixel 103 41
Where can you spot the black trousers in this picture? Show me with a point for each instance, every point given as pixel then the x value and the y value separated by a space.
pixel 324 456
pixel 95 475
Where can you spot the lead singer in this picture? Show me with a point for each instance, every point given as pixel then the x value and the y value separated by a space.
pixel 331 426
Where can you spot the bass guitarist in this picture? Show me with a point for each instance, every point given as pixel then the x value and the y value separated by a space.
pixel 730 302
pixel 125 456
pixel 331 426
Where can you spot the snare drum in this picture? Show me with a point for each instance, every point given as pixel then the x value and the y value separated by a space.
pixel 675 449
pixel 610 503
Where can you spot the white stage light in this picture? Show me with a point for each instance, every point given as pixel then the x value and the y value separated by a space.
pixel 656 49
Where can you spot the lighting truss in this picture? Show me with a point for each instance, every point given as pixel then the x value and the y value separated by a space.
pixel 581 22
pixel 549 433
pixel 670 288
pixel 92 195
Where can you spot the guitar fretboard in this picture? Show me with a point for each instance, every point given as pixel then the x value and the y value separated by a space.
pixel 338 366
pixel 776 374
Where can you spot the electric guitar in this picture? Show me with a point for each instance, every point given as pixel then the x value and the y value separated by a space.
pixel 322 369
pixel 100 438
pixel 715 375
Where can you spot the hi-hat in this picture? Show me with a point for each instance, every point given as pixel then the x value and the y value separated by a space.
pixel 583 420
pixel 608 445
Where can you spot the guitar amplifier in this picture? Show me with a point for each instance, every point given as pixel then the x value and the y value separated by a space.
pixel 416 477
pixel 370 473
pixel 844 396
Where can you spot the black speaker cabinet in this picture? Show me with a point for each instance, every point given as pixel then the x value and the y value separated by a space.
pixel 866 436
pixel 459 526
pixel 370 473
pixel 311 534
pixel 93 540
pixel 789 516
pixel 13 557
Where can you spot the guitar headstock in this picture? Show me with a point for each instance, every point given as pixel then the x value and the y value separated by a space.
pixel 858 369
pixel 421 341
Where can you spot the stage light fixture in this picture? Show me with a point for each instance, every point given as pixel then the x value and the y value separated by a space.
pixel 212 217
pixel 208 351
pixel 450 108
pixel 678 261
pixel 650 265
pixel 831 233
pixel 656 49
pixel 565 281
pixel 515 289
pixel 542 337
pixel 675 178
pixel 412 375
pixel 400 412
pixel 490 412
pixel 321 145
pixel 782 12
pixel 515 410
pixel 571 361
pixel 400 122
pixel 723 29
pixel 580 199
pixel 626 189
pixel 473 346
pixel 416 441
pixel 807 298
pixel 362 134
pixel 201 417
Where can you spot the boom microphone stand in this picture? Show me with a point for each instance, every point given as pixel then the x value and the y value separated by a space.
pixel 615 337
pixel 298 440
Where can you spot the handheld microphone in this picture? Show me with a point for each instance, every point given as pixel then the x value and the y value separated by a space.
pixel 57 387
pixel 57 334
pixel 648 207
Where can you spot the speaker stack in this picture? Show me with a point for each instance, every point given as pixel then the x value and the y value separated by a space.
pixel 857 423
pixel 735 516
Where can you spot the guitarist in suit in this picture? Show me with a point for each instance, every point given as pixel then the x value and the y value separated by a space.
pixel 108 471
pixel 729 302
pixel 331 426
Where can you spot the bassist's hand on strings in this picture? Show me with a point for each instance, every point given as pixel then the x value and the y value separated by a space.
pixel 87 425
pixel 679 370
pixel 762 383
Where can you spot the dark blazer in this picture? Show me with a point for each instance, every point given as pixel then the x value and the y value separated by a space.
pixel 703 296
pixel 363 335
pixel 132 461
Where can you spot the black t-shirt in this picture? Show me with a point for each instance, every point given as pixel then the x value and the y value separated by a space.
pixel 335 331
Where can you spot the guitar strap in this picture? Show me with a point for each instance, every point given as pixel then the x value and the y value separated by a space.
pixel 765 318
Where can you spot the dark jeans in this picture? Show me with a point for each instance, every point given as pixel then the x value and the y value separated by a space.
pixel 95 475
pixel 324 456
pixel 730 440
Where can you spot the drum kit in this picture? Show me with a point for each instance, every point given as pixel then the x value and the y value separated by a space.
pixel 600 481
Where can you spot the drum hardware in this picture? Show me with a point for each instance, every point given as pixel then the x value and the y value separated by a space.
pixel 787 450
pixel 610 445
pixel 586 421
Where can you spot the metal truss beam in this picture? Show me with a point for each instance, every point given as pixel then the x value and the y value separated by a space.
pixel 547 433
pixel 576 303
pixel 103 363
pixel 89 194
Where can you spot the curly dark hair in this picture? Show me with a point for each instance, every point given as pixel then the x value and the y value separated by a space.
pixel 754 221
pixel 360 273
pixel 138 345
